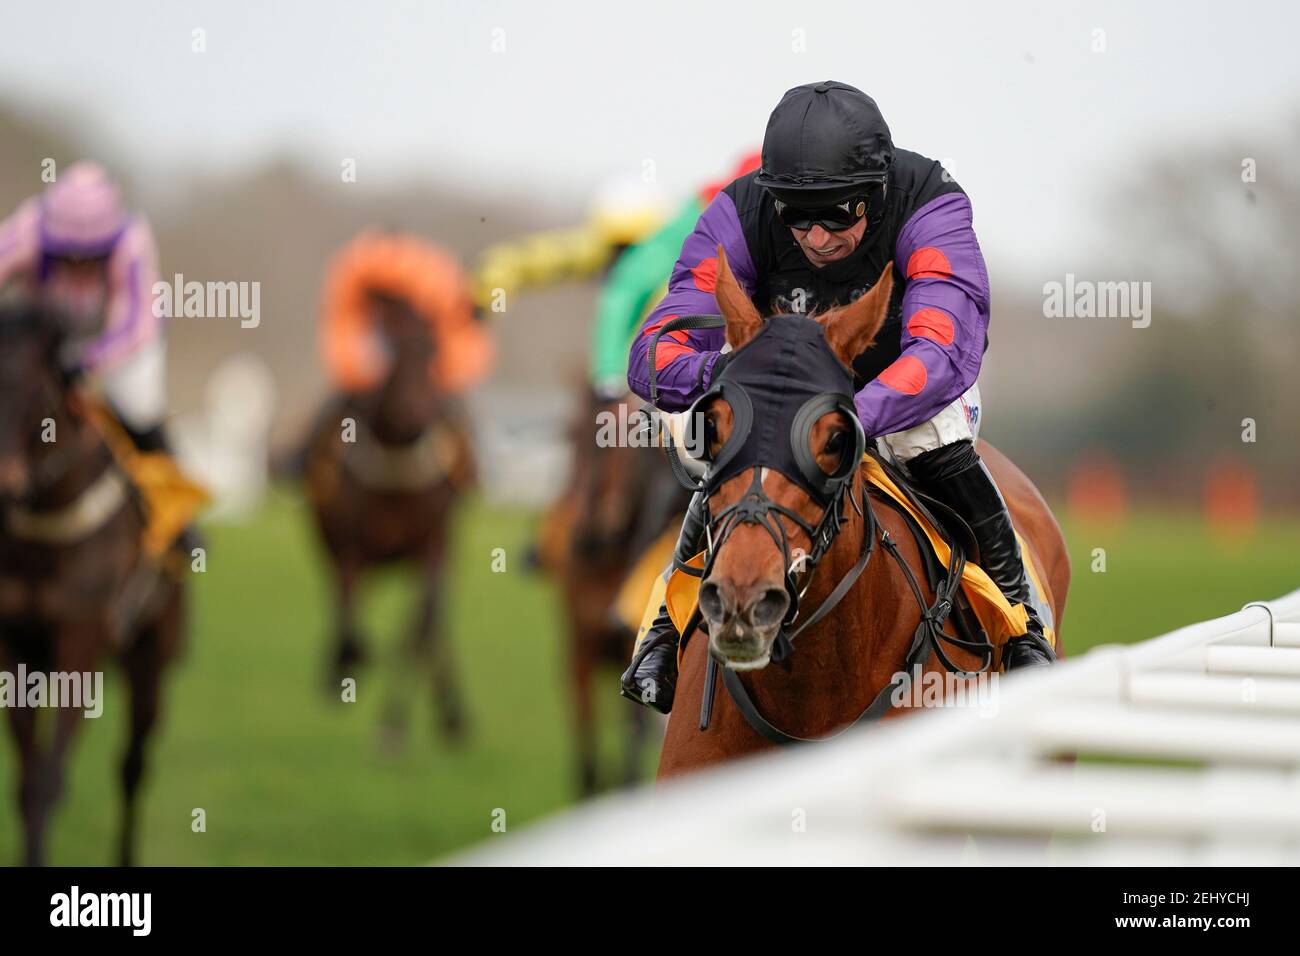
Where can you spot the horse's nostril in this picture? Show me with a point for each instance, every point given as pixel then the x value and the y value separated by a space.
pixel 769 610
pixel 711 603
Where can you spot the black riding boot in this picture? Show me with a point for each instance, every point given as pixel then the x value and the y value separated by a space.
pixel 155 440
pixel 955 475
pixel 651 678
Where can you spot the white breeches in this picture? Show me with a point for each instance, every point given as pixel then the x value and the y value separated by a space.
pixel 959 421
pixel 136 386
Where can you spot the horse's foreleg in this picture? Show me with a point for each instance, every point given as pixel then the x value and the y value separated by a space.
pixel 22 724
pixel 349 651
pixel 404 673
pixel 582 665
pixel 143 664
pixel 42 784
pixel 22 721
pixel 431 643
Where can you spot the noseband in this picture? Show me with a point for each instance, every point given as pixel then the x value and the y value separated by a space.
pixel 757 508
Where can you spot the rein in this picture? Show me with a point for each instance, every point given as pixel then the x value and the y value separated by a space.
pixel 928 637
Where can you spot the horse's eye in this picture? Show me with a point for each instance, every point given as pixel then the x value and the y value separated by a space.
pixel 835 443
pixel 710 435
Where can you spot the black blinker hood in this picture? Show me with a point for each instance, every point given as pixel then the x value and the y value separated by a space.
pixel 778 385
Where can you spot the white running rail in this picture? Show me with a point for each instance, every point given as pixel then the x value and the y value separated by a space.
pixel 1194 744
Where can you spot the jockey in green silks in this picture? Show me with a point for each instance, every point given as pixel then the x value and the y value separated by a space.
pixel 637 281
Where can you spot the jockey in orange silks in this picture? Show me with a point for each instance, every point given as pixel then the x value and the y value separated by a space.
pixel 418 272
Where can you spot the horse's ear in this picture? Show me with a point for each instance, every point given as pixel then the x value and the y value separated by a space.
pixel 743 320
pixel 852 329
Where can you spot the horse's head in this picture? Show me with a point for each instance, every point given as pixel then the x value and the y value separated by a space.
pixel 783 443
pixel 28 384
pixel 408 398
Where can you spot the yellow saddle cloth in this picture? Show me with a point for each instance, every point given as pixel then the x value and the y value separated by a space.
pixel 654 583
pixel 171 500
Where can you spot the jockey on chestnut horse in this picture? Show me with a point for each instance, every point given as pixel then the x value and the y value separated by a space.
pixel 833 203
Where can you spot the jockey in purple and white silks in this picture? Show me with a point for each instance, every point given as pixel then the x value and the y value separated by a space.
pixel 76 251
pixel 814 227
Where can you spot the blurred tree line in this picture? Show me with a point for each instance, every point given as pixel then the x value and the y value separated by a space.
pixel 1215 228
pixel 1212 223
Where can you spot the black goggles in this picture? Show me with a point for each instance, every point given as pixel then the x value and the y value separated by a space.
pixel 834 218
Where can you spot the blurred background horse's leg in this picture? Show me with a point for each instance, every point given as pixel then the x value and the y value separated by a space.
pixel 436 648
pixel 143 663
pixel 349 649
pixel 581 666
pixel 22 721
pixel 42 780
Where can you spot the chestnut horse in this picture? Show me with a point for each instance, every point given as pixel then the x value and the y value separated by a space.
pixel 383 469
pixel 75 584
pixel 844 661
pixel 618 500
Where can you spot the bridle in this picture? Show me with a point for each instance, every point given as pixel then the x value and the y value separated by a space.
pixel 835 491
pixel 755 506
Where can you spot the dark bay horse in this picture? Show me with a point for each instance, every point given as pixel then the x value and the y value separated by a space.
pixel 75 585
pixel 384 468
pixel 619 498
pixel 851 655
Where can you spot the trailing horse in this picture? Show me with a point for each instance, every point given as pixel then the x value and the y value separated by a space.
pixel 76 582
pixel 390 455
pixel 800 547
pixel 618 501
pixel 384 471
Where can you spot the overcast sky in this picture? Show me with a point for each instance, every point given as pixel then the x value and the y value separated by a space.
pixel 1029 119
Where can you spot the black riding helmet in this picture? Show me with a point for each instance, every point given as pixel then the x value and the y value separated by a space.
pixel 825 143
